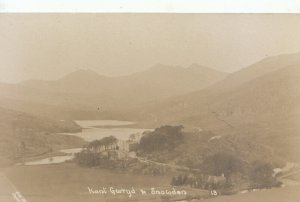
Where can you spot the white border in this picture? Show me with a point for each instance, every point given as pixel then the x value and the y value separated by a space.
pixel 151 6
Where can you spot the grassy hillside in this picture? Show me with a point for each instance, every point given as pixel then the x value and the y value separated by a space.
pixel 23 135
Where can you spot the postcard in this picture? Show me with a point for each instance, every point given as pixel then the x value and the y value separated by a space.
pixel 170 106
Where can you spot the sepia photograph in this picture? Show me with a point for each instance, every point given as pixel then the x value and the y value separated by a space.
pixel 156 107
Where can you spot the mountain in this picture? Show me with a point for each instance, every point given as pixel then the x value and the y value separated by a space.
pixel 163 81
pixel 272 79
pixel 160 80
pixel 85 90
pixel 81 76
pixel 266 65
pixel 78 82
pixel 260 103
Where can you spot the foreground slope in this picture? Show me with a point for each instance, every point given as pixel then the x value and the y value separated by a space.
pixel 24 135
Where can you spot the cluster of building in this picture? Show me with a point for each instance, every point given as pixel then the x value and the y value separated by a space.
pixel 120 149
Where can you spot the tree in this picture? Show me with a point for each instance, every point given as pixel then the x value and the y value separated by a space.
pixel 94 144
pixel 108 141
pixel 89 159
pixel 261 175
pixel 223 163
pixel 104 142
pixel 163 138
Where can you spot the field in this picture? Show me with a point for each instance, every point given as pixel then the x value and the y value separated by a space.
pixel 69 183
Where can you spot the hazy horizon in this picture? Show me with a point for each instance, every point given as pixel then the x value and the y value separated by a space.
pixel 49 46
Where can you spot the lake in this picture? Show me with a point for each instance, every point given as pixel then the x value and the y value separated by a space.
pixel 97 129
pixel 92 130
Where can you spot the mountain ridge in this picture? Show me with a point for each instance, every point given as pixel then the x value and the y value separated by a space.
pixel 88 88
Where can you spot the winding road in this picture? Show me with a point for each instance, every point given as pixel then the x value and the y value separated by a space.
pixel 146 161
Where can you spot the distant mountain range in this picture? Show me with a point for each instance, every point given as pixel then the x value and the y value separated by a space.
pixel 86 90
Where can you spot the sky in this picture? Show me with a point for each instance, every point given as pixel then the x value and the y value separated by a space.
pixel 49 46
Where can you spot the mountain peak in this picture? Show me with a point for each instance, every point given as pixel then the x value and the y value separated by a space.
pixel 160 67
pixel 204 69
pixel 82 74
pixel 197 66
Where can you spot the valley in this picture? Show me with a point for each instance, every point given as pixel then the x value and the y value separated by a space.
pixel 229 121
